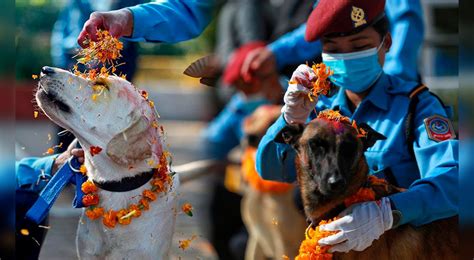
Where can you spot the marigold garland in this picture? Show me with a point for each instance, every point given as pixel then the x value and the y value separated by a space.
pixel 250 174
pixel 160 182
pixel 310 248
pixel 334 115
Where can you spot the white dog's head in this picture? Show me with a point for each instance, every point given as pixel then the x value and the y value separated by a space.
pixel 119 120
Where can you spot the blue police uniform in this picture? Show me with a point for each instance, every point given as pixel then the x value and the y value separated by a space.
pixel 170 21
pixel 406 27
pixel 431 175
pixel 32 173
pixel 225 131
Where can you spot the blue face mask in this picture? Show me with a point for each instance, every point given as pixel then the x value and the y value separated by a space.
pixel 354 71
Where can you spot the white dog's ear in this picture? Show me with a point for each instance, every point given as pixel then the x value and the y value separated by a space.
pixel 130 146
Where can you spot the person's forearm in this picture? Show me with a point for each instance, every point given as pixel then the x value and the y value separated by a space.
pixel 429 199
pixel 170 21
pixel 29 170
pixel 407 31
pixel 275 161
pixel 292 48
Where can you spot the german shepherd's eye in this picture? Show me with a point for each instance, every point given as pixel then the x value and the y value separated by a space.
pixel 319 145
pixel 347 149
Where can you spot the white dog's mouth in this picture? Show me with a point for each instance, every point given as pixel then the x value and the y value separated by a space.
pixel 51 98
pixel 48 91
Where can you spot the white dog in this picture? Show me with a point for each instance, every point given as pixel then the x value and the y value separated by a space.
pixel 119 120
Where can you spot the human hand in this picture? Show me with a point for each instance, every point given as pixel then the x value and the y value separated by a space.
pixel 359 226
pixel 298 106
pixel 260 61
pixel 119 23
pixel 71 151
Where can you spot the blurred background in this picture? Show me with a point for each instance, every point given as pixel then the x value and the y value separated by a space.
pixel 159 70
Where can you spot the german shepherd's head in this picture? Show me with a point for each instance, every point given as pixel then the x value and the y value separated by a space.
pixel 330 163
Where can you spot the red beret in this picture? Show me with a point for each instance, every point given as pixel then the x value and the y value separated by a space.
pixel 342 17
pixel 232 71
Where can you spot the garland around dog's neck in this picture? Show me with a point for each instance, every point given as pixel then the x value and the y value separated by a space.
pixel 160 181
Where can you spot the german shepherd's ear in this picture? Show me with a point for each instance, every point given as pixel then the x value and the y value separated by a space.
pixel 372 136
pixel 290 134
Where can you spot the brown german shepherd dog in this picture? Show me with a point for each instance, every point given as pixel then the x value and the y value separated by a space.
pixel 331 167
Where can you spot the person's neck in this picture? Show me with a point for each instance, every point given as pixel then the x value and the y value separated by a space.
pixel 355 98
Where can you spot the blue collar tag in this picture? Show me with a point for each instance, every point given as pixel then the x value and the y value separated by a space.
pixel 68 173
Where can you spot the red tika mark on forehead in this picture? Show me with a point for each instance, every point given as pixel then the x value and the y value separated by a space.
pixel 129 94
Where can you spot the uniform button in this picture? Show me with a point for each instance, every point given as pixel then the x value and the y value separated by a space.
pixel 375 168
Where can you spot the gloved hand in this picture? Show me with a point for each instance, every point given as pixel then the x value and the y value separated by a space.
pixel 119 23
pixel 297 104
pixel 360 225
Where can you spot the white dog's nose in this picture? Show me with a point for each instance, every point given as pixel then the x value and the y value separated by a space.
pixel 47 70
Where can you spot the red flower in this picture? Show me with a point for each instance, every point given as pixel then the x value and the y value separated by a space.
pixel 95 150
pixel 90 199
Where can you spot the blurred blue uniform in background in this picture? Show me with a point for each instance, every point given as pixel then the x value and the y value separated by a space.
pixel 69 24
pixel 225 131
pixel 430 175
pixel 407 29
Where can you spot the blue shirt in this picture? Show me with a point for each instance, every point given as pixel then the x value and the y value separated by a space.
pixel 32 173
pixel 170 21
pixel 225 131
pixel 431 177
pixel 406 27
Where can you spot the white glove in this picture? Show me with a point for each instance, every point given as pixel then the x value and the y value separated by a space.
pixel 297 104
pixel 360 225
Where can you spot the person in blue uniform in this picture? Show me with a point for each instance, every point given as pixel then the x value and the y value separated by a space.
pixel 424 160
pixel 163 21
pixel 407 29
pixel 32 174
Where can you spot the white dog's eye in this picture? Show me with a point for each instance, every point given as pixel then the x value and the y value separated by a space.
pixel 100 84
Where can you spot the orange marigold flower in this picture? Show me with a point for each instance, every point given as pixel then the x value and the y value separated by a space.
pixel 83 169
pixel 50 151
pixel 24 231
pixel 187 209
pixel 35 114
pixel 137 210
pixel 158 185
pixel 90 200
pixel 310 248
pixel 149 195
pixel 144 204
pixel 88 187
pixel 362 195
pixel 94 150
pixel 184 244
pixel 110 219
pixel 123 217
pixel 94 213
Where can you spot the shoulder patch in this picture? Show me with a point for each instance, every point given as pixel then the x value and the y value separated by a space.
pixel 439 128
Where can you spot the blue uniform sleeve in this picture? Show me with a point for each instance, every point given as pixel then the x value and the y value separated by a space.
pixel 170 21
pixel 29 171
pixel 276 161
pixel 435 195
pixel 292 48
pixel 407 29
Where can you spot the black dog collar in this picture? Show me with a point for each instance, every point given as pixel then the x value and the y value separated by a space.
pixel 126 184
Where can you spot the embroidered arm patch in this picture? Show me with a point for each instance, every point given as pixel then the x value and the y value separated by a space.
pixel 439 128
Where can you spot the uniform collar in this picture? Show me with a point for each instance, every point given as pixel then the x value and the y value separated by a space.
pixel 378 96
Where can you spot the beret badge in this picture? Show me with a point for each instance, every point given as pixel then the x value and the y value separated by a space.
pixel 358 16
